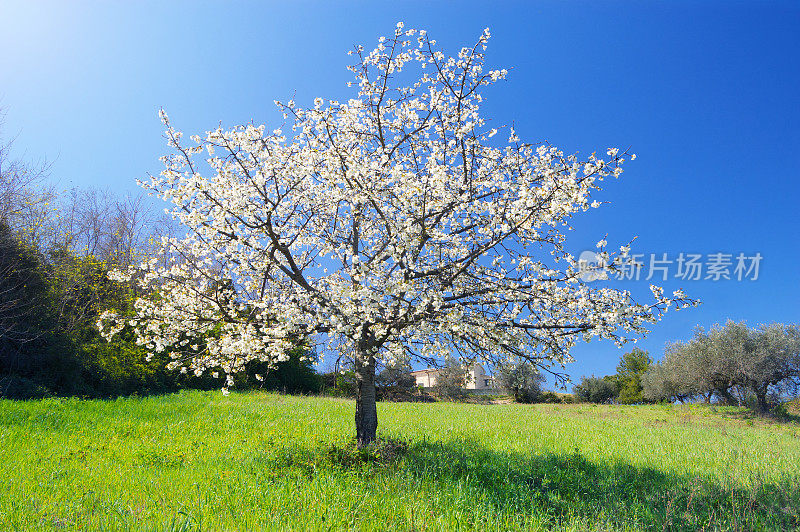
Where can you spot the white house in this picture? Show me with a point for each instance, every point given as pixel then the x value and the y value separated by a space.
pixel 474 379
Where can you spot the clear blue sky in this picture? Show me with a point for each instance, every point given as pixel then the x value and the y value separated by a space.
pixel 706 93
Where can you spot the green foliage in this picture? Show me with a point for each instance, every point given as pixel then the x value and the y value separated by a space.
pixel 520 379
pixel 25 306
pixel 54 347
pixel 339 383
pixel 628 379
pixel 295 375
pixel 568 398
pixel 15 387
pixel 624 387
pixel 600 390
pixel 81 290
pixel 735 363
pixel 110 369
pixel 255 461
pixel 549 398
pixel 395 382
pixel 451 379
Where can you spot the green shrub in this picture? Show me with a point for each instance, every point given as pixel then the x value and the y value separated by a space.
pixel 295 375
pixel 339 384
pixel 395 383
pixel 121 368
pixel 594 390
pixel 521 379
pixel 568 398
pixel 549 397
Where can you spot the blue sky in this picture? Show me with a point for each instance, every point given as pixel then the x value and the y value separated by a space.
pixel 706 93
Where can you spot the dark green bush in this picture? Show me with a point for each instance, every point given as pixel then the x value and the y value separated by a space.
pixel 295 375
pixel 549 397
pixel 339 384
pixel 395 383
pixel 594 390
pixel 21 388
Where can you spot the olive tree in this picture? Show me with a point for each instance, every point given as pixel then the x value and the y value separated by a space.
pixel 594 389
pixel 772 359
pixel 396 223
pixel 395 380
pixel 452 378
pixel 669 380
pixel 729 362
pixel 519 378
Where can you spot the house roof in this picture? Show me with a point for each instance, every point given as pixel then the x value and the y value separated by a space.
pixel 436 370
pixel 428 370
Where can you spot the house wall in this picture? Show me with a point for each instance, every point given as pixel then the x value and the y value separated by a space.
pixel 426 379
pixel 475 379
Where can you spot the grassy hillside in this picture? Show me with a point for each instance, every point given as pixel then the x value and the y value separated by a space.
pixel 199 460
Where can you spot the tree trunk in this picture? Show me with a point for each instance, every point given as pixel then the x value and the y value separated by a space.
pixel 366 409
pixel 761 401
pixel 728 396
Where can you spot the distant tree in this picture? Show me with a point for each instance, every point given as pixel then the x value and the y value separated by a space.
pixel 628 380
pixel 451 379
pixel 731 362
pixel 118 231
pixel 521 379
pixel 24 296
pixel 26 200
pixel 395 380
pixel 295 375
pixel 63 245
pixel 668 380
pixel 593 389
pixel 396 375
pixel 772 358
pixel 703 367
pixel 56 251
pixel 339 383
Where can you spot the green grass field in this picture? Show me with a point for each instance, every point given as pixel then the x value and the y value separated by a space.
pixel 201 461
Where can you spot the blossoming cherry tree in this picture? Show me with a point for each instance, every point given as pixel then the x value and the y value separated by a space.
pixel 393 225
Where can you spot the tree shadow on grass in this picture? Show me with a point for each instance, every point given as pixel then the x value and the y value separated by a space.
pixel 558 490
pixel 571 488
